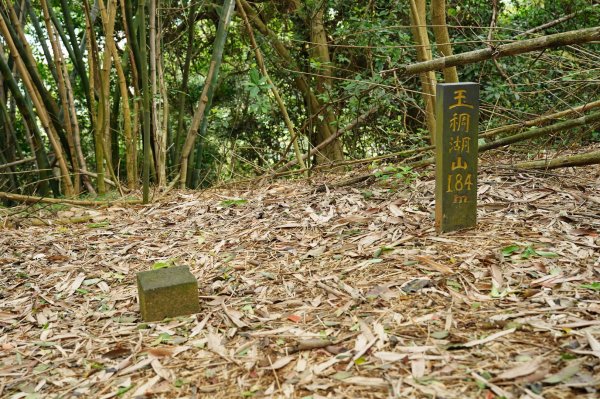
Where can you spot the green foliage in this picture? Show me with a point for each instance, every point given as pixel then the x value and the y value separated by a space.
pixel 258 88
pixel 396 174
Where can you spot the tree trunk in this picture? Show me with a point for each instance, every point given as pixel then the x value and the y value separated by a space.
pixel 442 38
pixel 428 80
pixel 208 91
pixel 160 149
pixel 145 108
pixel 319 50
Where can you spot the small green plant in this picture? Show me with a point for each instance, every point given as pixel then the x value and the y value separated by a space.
pixel 164 264
pixel 98 225
pixel 526 252
pixel 396 174
pixel 595 286
pixel 233 202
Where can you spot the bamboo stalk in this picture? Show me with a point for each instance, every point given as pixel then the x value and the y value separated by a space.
pixel 164 105
pixel 261 63
pixel 184 85
pixel 41 110
pixel 442 38
pixel 540 120
pixel 129 55
pixel 530 134
pixel 21 45
pixel 94 77
pixel 108 15
pixel 77 52
pixel 159 141
pixel 361 119
pixel 188 145
pixel 62 92
pixel 207 92
pixel 557 21
pixel 428 79
pixel 130 145
pixel 145 100
pixel 40 33
pixel 534 133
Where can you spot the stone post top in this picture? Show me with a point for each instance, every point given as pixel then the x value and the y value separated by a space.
pixel 168 276
pixel 457 84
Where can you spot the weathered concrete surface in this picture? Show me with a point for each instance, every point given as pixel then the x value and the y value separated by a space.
pixel 167 292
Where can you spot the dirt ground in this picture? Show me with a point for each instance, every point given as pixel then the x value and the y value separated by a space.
pixel 346 293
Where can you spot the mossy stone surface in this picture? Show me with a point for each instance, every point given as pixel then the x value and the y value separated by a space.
pixel 168 292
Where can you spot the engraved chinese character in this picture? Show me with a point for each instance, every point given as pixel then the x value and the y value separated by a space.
pixel 458 164
pixel 460 144
pixel 466 144
pixel 460 122
pixel 460 95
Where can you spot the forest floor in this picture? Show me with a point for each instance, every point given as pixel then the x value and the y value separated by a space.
pixel 347 293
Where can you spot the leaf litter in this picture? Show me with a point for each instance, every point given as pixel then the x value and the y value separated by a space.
pixel 308 294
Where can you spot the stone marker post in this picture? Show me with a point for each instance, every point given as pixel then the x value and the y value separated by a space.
pixel 456 148
pixel 168 292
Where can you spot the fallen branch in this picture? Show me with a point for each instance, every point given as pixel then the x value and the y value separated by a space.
pixel 589 158
pixel 518 47
pixel 540 120
pixel 95 175
pixel 534 133
pixel 15 163
pixel 34 200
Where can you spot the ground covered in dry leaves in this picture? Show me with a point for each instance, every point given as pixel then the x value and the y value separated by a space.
pixel 346 293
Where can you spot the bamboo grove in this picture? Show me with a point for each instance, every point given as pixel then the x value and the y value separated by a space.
pixel 106 95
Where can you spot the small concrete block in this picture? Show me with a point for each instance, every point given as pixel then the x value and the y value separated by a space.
pixel 168 292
